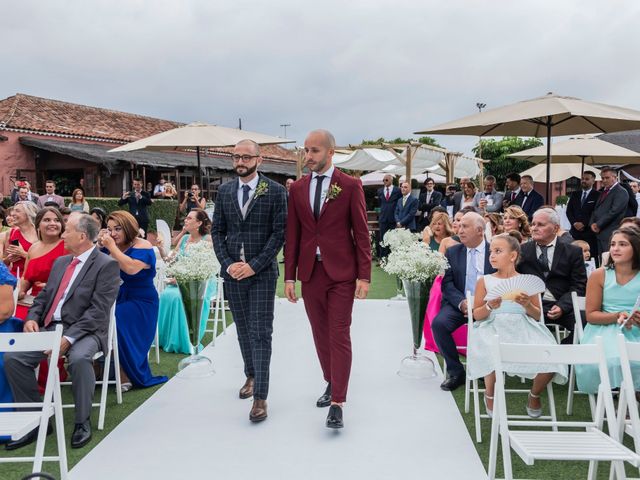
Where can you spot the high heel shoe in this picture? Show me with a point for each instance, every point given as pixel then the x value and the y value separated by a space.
pixel 533 412
pixel 486 406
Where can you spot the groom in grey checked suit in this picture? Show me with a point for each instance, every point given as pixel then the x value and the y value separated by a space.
pixel 248 232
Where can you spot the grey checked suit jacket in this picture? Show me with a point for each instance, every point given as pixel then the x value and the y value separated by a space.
pixel 260 233
pixel 85 311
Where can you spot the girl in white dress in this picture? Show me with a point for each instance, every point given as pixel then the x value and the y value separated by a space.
pixel 515 322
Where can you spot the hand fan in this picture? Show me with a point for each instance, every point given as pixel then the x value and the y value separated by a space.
pixel 510 288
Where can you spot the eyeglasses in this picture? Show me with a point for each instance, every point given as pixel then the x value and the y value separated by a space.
pixel 243 158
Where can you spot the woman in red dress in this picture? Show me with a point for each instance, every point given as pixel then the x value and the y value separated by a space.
pixel 49 226
pixel 21 237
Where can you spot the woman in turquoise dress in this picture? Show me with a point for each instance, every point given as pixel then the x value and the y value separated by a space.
pixel 137 302
pixel 514 319
pixel 612 291
pixel 172 322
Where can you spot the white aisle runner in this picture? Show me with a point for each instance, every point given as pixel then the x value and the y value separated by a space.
pixel 394 428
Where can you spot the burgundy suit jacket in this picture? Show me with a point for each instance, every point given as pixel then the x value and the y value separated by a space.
pixel 341 232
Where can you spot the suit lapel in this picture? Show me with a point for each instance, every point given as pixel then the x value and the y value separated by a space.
pixel 234 198
pixel 558 252
pixel 255 197
pixel 306 188
pixel 81 274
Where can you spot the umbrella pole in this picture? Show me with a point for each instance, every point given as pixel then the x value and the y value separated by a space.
pixel 549 160
pixel 582 169
pixel 199 177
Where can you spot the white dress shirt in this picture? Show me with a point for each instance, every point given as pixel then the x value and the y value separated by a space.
pixel 480 250
pixel 252 185
pixel 325 187
pixel 57 316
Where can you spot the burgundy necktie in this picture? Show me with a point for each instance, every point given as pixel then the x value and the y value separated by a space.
pixel 513 196
pixel 64 283
pixel 386 196
pixel 604 195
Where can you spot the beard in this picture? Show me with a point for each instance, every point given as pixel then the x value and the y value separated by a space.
pixel 246 170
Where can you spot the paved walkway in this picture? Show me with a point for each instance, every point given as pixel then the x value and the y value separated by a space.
pixel 394 428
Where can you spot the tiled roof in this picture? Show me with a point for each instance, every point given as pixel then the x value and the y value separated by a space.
pixel 629 139
pixel 30 114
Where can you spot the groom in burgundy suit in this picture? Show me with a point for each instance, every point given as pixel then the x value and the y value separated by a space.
pixel 328 250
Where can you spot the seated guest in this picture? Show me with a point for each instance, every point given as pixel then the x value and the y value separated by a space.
pixel 515 219
pixel 559 264
pixel 8 324
pixel 172 321
pixel 494 222
pixel 454 239
pixel 467 262
pixel 21 237
pixel 406 208
pixel 438 229
pixel 92 278
pixel 78 202
pixel 5 227
pixel 589 264
pixel 515 321
pixel 630 221
pixel 137 304
pixel 100 216
pixel 612 291
pixel 529 200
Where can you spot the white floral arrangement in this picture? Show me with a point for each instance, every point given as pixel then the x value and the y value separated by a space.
pixel 414 261
pixel 399 238
pixel 198 263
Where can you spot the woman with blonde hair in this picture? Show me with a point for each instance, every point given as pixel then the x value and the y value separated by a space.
pixel 514 219
pixel 438 229
pixel 137 302
pixel 78 202
pixel 21 236
pixel 494 222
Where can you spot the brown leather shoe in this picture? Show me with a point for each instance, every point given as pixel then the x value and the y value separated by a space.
pixel 247 389
pixel 258 411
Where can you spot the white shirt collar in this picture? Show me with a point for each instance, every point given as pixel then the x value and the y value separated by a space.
pixel 252 184
pixel 84 256
pixel 479 248
pixel 328 173
pixel 551 244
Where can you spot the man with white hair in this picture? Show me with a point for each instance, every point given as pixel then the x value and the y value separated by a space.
pixel 559 264
pixel 468 261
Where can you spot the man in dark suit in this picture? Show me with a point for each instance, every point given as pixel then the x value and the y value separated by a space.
pixel 248 232
pixel 79 294
pixel 468 261
pixel 529 200
pixel 388 196
pixel 609 210
pixel 579 210
pixel 406 208
pixel 428 199
pixel 512 192
pixel 329 251
pixel 559 264
pixel 632 206
pixel 138 201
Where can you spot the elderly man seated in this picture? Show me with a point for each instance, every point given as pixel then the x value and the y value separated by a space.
pixel 468 261
pixel 79 294
pixel 559 264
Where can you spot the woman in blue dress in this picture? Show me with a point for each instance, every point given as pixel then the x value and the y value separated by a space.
pixel 137 303
pixel 612 291
pixel 172 322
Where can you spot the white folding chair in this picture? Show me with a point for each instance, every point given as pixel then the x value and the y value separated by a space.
pixel 628 417
pixel 162 228
pixel 590 444
pixel 219 306
pixel 475 390
pixel 15 293
pixel 160 284
pixel 17 424
pixel 112 350
pixel 578 306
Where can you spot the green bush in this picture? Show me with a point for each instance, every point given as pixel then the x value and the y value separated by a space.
pixel 562 199
pixel 163 209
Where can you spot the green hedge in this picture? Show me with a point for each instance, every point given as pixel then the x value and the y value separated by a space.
pixel 164 209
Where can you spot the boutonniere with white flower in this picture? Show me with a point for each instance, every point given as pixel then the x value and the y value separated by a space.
pixel 334 191
pixel 261 189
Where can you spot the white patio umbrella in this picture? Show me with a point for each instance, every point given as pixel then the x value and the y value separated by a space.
pixel 582 149
pixel 197 135
pixel 547 116
pixel 559 172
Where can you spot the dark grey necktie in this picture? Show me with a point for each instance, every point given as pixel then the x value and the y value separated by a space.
pixel 544 259
pixel 245 194
pixel 584 197
pixel 318 196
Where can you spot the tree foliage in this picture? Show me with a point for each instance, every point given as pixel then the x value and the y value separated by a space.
pixel 497 151
pixel 424 140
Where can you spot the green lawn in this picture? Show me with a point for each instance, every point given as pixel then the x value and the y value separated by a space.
pixel 382 286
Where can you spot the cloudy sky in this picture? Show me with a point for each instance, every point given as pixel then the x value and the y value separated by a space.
pixel 362 69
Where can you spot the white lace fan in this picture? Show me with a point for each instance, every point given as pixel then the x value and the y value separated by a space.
pixel 510 288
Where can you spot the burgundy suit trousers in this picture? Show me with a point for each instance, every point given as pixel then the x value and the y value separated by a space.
pixel 329 305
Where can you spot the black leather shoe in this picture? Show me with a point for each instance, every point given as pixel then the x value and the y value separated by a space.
pixel 29 438
pixel 452 383
pixel 81 434
pixel 334 419
pixel 325 399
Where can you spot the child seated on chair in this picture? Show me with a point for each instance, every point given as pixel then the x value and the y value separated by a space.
pixel 589 264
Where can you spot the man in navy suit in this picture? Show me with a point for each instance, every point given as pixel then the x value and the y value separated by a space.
pixel 406 208
pixel 388 196
pixel 468 261
pixel 579 210
pixel 529 200
pixel 248 232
